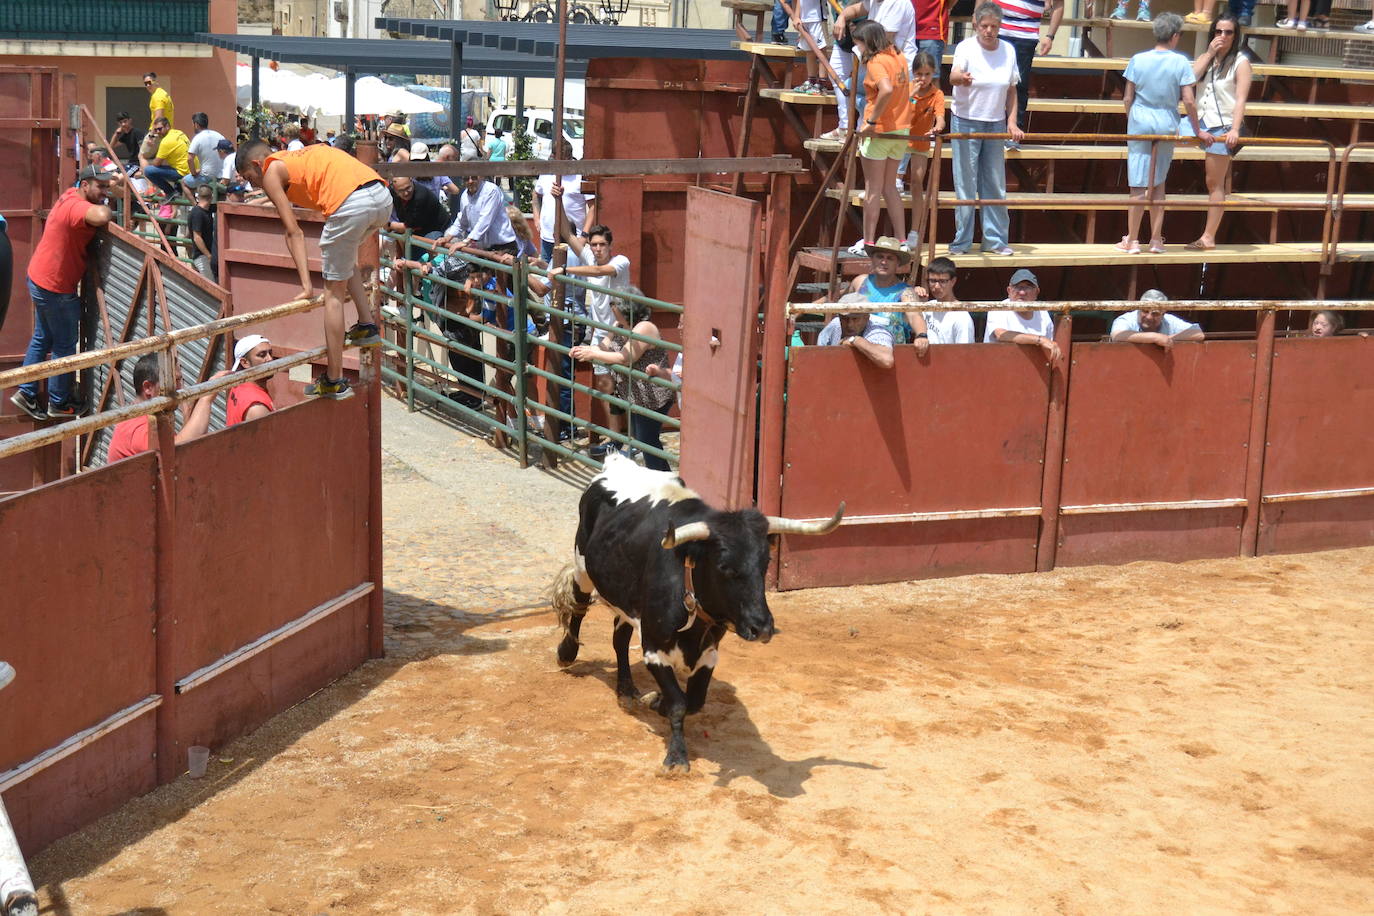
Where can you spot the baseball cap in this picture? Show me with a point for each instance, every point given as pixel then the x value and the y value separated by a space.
pixel 418 150
pixel 225 145
pixel 245 346
pixel 1153 295
pixel 97 173
pixel 1024 276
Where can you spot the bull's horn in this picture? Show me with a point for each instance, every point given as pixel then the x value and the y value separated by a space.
pixel 692 531
pixel 777 525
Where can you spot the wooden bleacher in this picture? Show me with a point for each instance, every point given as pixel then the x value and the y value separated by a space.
pixel 1078 202
pixel 1118 64
pixel 1108 26
pixel 1185 151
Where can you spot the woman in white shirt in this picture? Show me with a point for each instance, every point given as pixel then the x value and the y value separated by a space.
pixel 984 76
pixel 1223 75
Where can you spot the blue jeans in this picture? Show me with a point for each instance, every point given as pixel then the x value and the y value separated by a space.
pixel 935 48
pixel 1243 7
pixel 546 250
pixel 164 177
pixel 979 172
pixel 57 317
pixel 1025 55
pixel 646 430
pixel 780 20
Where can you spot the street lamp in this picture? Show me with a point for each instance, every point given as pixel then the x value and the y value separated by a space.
pixel 614 10
pixel 506 8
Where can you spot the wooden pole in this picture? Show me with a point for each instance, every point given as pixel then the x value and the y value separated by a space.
pixel 1056 424
pixel 1259 430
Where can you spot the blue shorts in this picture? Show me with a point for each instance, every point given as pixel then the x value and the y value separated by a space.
pixel 1185 129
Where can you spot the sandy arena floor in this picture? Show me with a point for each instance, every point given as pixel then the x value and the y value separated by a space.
pixel 1189 738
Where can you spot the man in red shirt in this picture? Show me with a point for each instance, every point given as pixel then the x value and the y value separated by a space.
pixel 57 266
pixel 131 437
pixel 250 400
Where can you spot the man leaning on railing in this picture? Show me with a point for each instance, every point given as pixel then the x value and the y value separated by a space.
pixel 137 435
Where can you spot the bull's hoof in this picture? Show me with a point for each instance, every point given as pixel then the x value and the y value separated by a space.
pixel 650 699
pixel 567 651
pixel 674 769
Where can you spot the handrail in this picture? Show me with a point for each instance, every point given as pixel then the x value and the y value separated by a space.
pixel 1083 305
pixel 124 182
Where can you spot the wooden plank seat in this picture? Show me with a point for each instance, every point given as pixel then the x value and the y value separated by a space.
pixel 1253 109
pixel 1268 203
pixel 1108 152
pixel 1288 71
pixel 1102 22
pixel 769 49
pixel 798 98
pixel 1070 254
pixel 748 6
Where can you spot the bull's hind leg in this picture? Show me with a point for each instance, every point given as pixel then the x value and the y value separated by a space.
pixel 620 640
pixel 571 595
pixel 672 703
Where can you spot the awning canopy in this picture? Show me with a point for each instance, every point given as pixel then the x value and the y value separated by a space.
pixel 585 42
pixel 386 56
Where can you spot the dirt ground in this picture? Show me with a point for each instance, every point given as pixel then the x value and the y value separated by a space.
pixel 1144 739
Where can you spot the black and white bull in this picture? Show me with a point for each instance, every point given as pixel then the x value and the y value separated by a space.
pixel 680 571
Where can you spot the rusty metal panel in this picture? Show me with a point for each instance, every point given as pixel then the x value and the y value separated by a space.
pixel 1320 437
pixel 264 537
pixel 1149 425
pixel 79 632
pixel 720 347
pixel 961 429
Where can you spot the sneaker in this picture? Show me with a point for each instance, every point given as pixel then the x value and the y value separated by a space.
pixel 1301 26
pixel 1005 251
pixel 958 250
pixel 1244 20
pixel 1120 11
pixel 1143 14
pixel 28 405
pixel 68 411
pixel 1286 24
pixel 1012 145
pixel 838 133
pixel 913 241
pixel 859 248
pixel 324 387
pixel 1198 18
pixel 604 449
pixel 363 335
pixel 779 38
pixel 1366 27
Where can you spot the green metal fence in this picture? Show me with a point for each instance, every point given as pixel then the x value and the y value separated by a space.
pixel 522 357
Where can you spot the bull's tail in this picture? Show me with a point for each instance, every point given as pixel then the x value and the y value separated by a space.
pixel 570 604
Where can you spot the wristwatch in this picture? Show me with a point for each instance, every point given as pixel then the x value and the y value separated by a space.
pixel 922 334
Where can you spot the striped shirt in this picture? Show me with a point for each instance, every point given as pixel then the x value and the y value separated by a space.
pixel 1021 18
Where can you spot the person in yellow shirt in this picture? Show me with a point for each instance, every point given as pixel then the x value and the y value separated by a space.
pixel 166 169
pixel 356 204
pixel 160 104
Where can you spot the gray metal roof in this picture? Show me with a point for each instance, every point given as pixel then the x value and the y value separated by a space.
pixel 584 41
pixel 385 55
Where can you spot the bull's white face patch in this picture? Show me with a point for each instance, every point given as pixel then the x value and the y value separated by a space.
pixel 627 482
pixel 673 659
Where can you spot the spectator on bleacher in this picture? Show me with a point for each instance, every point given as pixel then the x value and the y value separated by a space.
pixel 859 332
pixel 780 23
pixel 984 75
pixel 201 223
pixel 291 133
pixel 54 271
pixel 1155 82
pixel 1244 10
pixel 887 87
pixel 639 355
pixel 126 139
pixel 205 163
pixel 932 28
pixel 1325 323
pixel 576 211
pixel 1224 73
pixel 481 223
pixel 1150 324
pixel 169 164
pixel 1021 29
pixel 811 17
pixel 1024 326
pixel 929 327
pixel 443 186
pixel 415 207
pixel 885 282
pixel 250 400
pixel 394 144
pixel 159 101
pixel 137 435
pixel 898 19
pixel 927 120
pixel 225 151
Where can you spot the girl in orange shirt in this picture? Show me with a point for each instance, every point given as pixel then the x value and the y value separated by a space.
pixel 927 120
pixel 888 88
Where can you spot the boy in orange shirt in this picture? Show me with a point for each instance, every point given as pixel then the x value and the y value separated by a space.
pixel 888 89
pixel 927 120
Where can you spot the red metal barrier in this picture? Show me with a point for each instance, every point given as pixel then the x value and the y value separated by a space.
pixel 1320 439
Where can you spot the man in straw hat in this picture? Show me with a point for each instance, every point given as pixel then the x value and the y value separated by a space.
pixel 250 400
pixel 356 204
pixel 885 282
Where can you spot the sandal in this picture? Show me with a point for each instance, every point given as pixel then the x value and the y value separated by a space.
pixel 1157 246
pixel 1129 246
pixel 1320 23
pixel 1198 246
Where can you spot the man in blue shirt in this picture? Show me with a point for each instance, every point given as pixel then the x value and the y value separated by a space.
pixel 1151 324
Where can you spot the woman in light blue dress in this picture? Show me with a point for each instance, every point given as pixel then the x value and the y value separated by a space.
pixel 1155 82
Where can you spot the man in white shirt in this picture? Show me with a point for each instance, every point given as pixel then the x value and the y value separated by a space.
pixel 1028 327
pixel 1152 325
pixel 938 327
pixel 547 190
pixel 898 17
pixel 858 332
pixel 203 152
pixel 482 223
pixel 225 150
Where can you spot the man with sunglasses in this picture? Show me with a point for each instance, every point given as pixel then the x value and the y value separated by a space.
pixel 251 400
pixel 159 101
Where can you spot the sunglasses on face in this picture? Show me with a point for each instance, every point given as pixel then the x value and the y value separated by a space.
pixel 1226 31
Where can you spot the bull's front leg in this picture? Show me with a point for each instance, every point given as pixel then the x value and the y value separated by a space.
pixel 620 641
pixel 672 703
pixel 699 681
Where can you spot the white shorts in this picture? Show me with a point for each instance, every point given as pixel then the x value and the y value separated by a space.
pixel 819 31
pixel 363 212
pixel 599 335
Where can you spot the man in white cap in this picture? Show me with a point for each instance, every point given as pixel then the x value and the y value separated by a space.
pixel 1028 327
pixel 1152 325
pixel 442 185
pixel 250 400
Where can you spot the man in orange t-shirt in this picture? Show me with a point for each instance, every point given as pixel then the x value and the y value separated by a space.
pixel 251 400
pixel 356 204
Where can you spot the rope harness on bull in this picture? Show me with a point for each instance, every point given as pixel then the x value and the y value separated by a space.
pixel 689 599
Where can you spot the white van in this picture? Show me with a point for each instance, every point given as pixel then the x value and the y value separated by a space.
pixel 539 126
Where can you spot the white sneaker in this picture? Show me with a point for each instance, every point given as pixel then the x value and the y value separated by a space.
pixel 858 248
pixel 1366 27
pixel 836 134
pixel 913 241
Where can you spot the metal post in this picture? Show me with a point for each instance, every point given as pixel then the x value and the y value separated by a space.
pixel 1056 423
pixel 521 303
pixel 376 613
pixel 560 70
pixel 1259 432
pixel 350 116
pixel 519 107
pixel 165 663
pixel 553 426
pixel 254 103
pixel 410 331
pixel 455 96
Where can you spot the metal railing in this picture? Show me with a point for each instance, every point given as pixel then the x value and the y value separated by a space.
pixel 520 339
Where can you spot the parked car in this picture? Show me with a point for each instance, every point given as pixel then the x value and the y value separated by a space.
pixel 539 126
